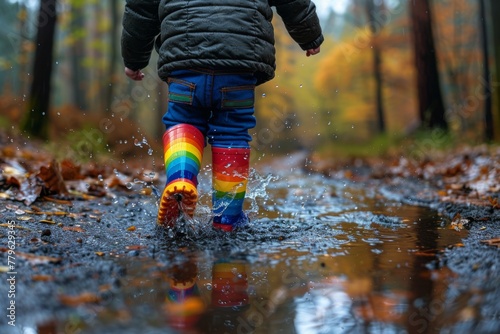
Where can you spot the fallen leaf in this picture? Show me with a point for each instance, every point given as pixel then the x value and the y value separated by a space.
pixel 32 258
pixel 428 252
pixel 135 247
pixel 42 278
pixel 442 193
pixel 492 242
pixel 146 191
pixel 99 253
pixel 14 226
pixel 73 229
pixel 11 207
pixel 29 191
pixel 83 298
pixel 494 202
pixel 13 181
pixel 58 201
pixel 70 171
pixel 46 221
pixel 52 178
pixel 458 223
pixel 105 287
pixel 131 228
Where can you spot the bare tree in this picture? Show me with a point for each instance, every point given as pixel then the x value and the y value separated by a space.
pixel 77 54
pixel 371 11
pixel 431 107
pixel 37 116
pixel 113 54
pixel 494 8
pixel 488 115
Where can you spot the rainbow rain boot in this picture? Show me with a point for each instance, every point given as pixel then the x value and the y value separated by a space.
pixel 230 168
pixel 183 150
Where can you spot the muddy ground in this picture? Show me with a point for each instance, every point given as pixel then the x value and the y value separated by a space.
pixel 66 250
pixel 464 186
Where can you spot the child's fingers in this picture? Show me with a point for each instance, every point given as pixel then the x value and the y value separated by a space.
pixel 312 52
pixel 134 75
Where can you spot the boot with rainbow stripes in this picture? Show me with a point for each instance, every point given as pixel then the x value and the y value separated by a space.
pixel 183 150
pixel 230 168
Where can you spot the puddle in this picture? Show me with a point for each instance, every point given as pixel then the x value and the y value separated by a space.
pixel 320 256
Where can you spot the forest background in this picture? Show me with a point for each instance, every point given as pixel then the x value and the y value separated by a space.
pixel 392 75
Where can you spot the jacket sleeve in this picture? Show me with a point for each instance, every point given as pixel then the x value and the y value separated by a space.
pixel 301 21
pixel 141 25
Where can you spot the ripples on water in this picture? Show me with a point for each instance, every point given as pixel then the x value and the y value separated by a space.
pixel 320 256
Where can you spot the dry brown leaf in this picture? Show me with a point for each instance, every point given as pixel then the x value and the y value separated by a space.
pixel 46 221
pixel 73 229
pixel 458 223
pixel 494 202
pixel 58 201
pixel 34 259
pixel 52 178
pixel 146 191
pixel 13 181
pixel 29 191
pixel 42 278
pixel 83 298
pixel 135 247
pixel 442 193
pixel 492 242
pixel 70 171
pixel 14 226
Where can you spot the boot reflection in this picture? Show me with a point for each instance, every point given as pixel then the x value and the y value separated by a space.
pixel 183 305
pixel 229 285
pixel 230 298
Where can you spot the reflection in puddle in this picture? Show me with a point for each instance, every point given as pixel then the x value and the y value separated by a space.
pixel 321 256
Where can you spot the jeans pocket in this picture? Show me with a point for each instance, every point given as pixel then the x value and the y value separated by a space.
pixel 180 91
pixel 238 97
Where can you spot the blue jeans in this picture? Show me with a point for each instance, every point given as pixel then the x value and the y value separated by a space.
pixel 219 103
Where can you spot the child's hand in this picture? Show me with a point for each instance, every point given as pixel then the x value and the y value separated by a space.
pixel 134 75
pixel 312 52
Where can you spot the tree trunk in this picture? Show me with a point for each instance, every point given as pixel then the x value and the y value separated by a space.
pixel 77 54
pixel 113 8
pixel 23 54
pixel 488 116
pixel 494 9
pixel 377 63
pixel 37 120
pixel 431 108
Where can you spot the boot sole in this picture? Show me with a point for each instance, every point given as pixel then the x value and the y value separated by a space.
pixel 178 197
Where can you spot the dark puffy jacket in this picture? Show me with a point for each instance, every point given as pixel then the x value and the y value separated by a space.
pixel 233 34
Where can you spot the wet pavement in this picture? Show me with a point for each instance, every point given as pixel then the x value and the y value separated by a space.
pixel 321 255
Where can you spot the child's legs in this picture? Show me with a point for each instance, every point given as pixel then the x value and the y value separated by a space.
pixel 233 110
pixel 187 100
pixel 232 118
pixel 183 142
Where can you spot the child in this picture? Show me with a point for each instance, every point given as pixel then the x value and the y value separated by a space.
pixel 212 54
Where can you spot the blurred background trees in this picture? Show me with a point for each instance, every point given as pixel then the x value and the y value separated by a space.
pixel 387 71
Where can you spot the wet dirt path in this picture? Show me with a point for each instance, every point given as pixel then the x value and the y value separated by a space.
pixel 322 255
